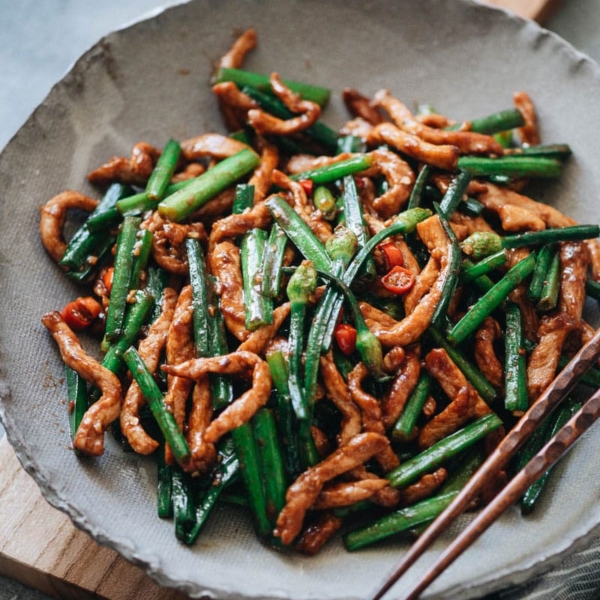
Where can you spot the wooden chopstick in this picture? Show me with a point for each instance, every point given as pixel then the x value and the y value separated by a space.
pixel 553 451
pixel 543 406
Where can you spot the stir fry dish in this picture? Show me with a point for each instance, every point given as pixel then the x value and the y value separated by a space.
pixel 330 328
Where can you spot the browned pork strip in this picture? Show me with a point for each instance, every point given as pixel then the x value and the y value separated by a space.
pixel 235 56
pixel 453 417
pixel 265 123
pixel 53 216
pixel 149 349
pixel 541 369
pixel 517 218
pixel 178 349
pixel 318 533
pixel 303 493
pixel 393 360
pixel 495 197
pixel 168 242
pixel 258 340
pixel 411 328
pixel 203 453
pixel 485 354
pixel 89 438
pixel 262 177
pixel 347 493
pixel 370 414
pixel 235 225
pixel 444 157
pixel 400 178
pixel 529 133
pixel 468 142
pixel 574 261
pixel 243 408
pixel 402 387
pixel 225 264
pixel 132 171
pixel 423 282
pixel 188 172
pixel 360 106
pixel 212 145
pixel 337 390
pixel 424 487
pixel 451 379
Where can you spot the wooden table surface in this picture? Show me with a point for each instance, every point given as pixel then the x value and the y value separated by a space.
pixel 40 547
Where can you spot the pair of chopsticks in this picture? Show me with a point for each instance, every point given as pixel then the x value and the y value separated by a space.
pixel 533 470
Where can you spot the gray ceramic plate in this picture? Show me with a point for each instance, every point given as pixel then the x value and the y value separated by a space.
pixel 150 82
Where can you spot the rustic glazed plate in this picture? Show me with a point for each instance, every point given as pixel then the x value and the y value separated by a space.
pixel 150 82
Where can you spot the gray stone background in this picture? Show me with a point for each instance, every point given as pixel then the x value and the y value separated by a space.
pixel 40 40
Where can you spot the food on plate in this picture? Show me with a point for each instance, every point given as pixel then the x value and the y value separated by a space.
pixel 317 324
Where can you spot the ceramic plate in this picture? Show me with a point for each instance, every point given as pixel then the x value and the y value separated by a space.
pixel 150 82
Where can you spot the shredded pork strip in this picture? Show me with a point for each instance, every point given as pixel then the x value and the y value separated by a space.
pixel 235 56
pixel 265 123
pixel 360 106
pixel 399 176
pixel 412 327
pixel 303 493
pixel 236 225
pixel 443 156
pixel 225 264
pixel 451 379
pixel 203 453
pixel 132 171
pixel 259 339
pixel 424 487
pixel 168 242
pixel 149 349
pixel 89 438
pixel 243 408
pixel 262 178
pixel 485 354
pixel 179 348
pixel 318 533
pixel 337 390
pixel 211 145
pixel 574 262
pixel 370 414
pixel 468 142
pixel 348 492
pixel 53 216
pixel 460 410
pixel 495 197
pixel 529 133
pixel 402 387
pixel 543 361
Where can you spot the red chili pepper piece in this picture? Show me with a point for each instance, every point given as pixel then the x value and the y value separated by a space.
pixel 80 313
pixel 107 278
pixel 307 185
pixel 398 281
pixel 392 254
pixel 345 336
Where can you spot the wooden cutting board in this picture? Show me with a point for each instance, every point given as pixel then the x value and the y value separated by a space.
pixel 538 10
pixel 40 547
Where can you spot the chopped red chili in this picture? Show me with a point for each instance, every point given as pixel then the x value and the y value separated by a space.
pixel 345 336
pixel 307 185
pixel 398 281
pixel 392 254
pixel 107 279
pixel 80 313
